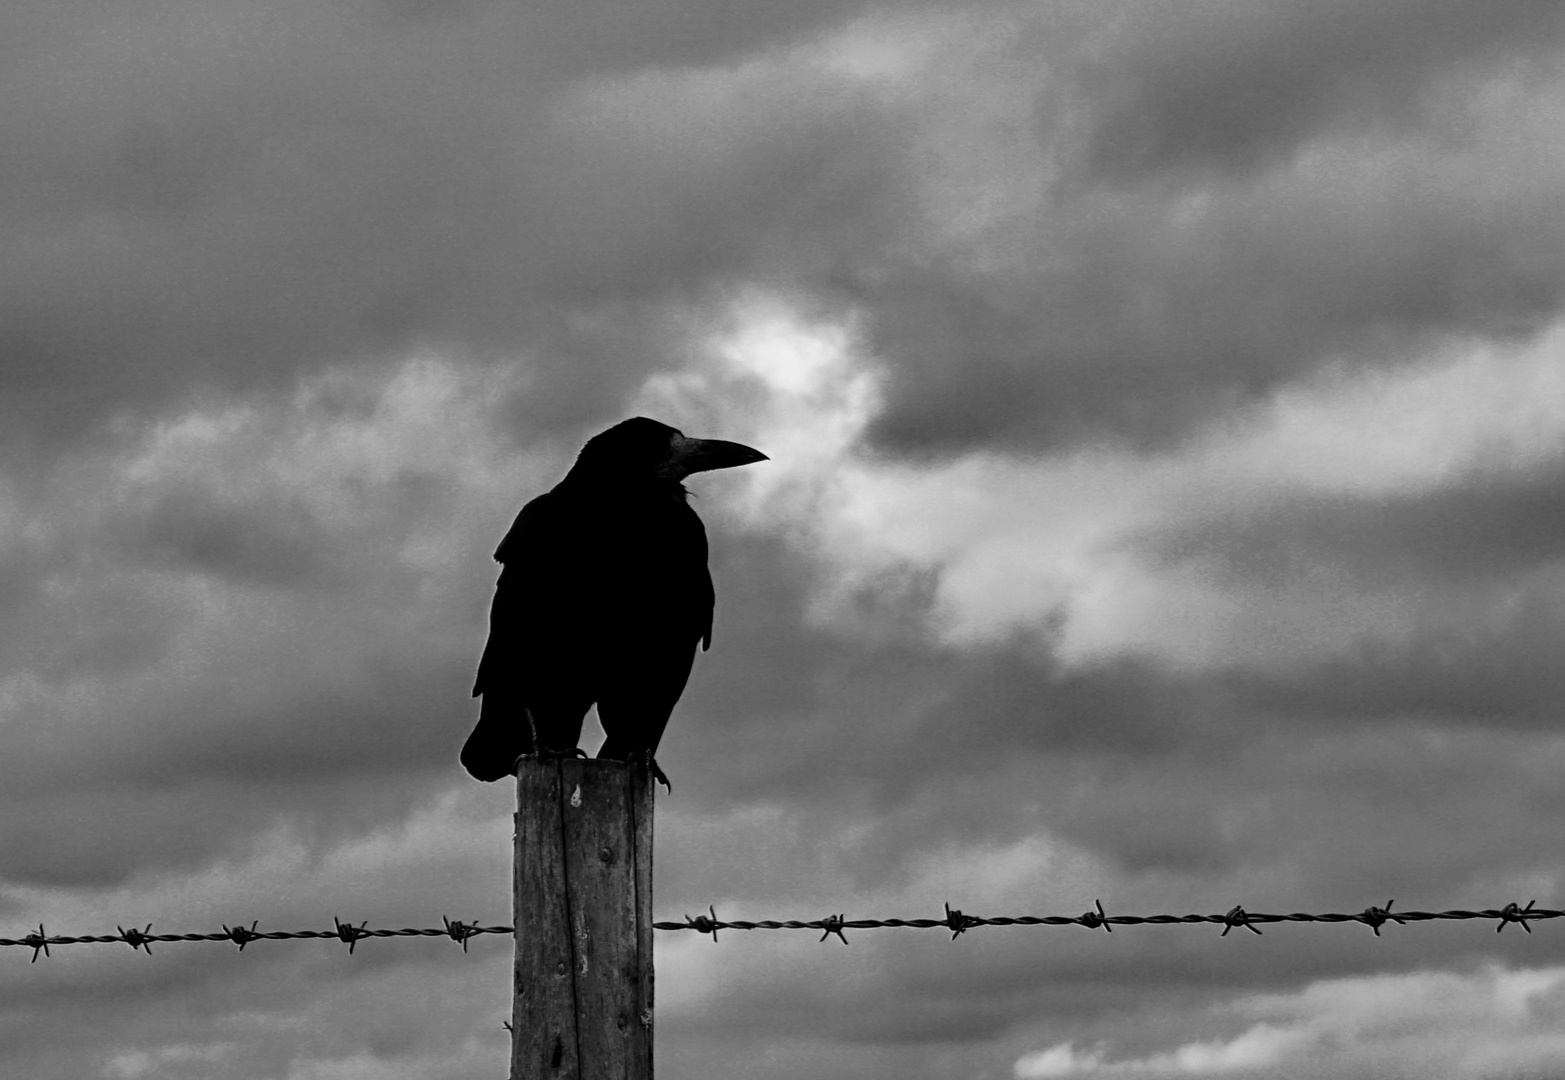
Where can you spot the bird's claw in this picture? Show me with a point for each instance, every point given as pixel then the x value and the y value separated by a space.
pixel 548 754
pixel 658 774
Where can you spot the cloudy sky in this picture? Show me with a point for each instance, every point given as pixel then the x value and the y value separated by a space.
pixel 1166 401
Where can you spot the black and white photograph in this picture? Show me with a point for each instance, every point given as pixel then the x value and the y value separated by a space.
pixel 782 539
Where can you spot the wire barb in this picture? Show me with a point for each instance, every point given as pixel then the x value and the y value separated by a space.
pixel 459 931
pixel 239 935
pixel 705 924
pixel 1094 919
pixel 958 923
pixel 136 939
pixel 832 924
pixel 1510 913
pixel 1376 917
pixel 1236 917
pixel 348 933
pixel 38 941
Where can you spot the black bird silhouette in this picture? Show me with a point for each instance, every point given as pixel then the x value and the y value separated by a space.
pixel 603 595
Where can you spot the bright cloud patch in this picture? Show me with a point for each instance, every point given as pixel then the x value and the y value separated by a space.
pixel 1443 1026
pixel 1068 544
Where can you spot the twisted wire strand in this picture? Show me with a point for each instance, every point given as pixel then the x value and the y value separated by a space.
pixel 958 922
pixel 954 920
pixel 241 935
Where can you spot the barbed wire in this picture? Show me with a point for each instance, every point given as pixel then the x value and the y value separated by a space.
pixel 241 935
pixel 959 922
pixel 954 920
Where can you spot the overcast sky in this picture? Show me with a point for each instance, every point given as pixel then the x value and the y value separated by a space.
pixel 1166 405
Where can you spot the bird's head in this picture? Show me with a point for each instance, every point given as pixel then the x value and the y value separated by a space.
pixel 641 450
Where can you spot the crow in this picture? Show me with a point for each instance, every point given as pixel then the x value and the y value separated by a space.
pixel 603 595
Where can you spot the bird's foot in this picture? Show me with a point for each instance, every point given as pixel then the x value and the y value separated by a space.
pixel 658 774
pixel 549 754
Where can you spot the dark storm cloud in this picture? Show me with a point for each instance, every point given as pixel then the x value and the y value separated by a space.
pixel 1170 775
pixel 102 782
pixel 97 801
pixel 1143 299
pixel 1480 648
pixel 922 745
pixel 1459 669
pixel 1142 314
pixel 235 621
pixel 279 543
pixel 1435 818
pixel 894 711
pixel 1485 527
pixel 913 738
pixel 1231 83
pixel 203 1001
pixel 199 196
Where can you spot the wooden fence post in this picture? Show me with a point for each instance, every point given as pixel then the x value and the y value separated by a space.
pixel 582 1007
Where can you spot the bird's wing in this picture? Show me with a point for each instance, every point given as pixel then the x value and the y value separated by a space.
pixel 686 559
pixel 709 605
pixel 529 542
pixel 502 613
pixel 530 528
pixel 569 564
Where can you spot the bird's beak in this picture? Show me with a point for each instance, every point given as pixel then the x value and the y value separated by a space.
pixel 703 455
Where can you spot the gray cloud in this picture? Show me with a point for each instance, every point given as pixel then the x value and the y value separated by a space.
pixel 202 198
pixel 257 545
pixel 1156 309
pixel 1232 84
pixel 231 206
pixel 1485 527
pixel 1470 563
